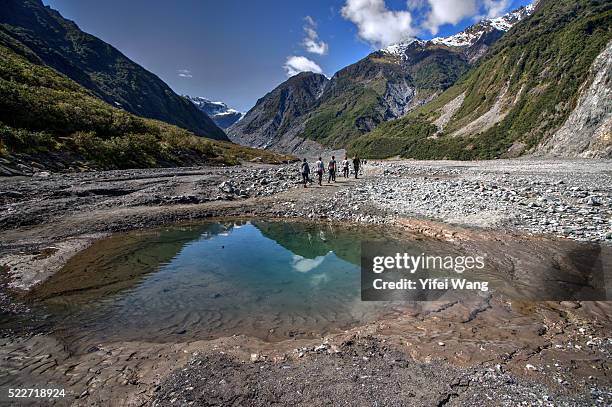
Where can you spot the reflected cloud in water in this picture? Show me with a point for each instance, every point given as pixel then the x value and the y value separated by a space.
pixel 304 265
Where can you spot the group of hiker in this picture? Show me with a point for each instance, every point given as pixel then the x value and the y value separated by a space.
pixel 332 168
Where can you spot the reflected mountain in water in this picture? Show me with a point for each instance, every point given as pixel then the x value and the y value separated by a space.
pixel 264 279
pixel 270 279
pixel 315 241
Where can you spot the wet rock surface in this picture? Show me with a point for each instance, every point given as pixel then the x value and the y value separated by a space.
pixel 538 354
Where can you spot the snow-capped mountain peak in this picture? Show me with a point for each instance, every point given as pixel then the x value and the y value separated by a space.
pixel 220 112
pixel 401 47
pixel 462 39
pixel 505 22
pixel 470 35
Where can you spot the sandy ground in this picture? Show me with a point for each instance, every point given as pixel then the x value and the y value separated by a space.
pixel 494 352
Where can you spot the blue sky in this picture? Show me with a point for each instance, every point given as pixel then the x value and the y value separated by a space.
pixel 237 51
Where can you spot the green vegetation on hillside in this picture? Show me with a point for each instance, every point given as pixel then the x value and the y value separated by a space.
pixel 98 66
pixel 376 145
pixel 356 99
pixel 338 120
pixel 42 111
pixel 540 66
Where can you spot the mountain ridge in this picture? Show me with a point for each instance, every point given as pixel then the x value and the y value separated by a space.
pixel 471 34
pixel 515 98
pixel 269 124
pixel 383 86
pixel 99 67
pixel 50 122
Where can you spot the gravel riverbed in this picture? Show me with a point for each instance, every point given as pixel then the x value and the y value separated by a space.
pixel 497 352
pixel 566 199
pixel 60 214
pixel 570 199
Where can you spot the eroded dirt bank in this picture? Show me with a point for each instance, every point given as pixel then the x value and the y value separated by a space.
pixel 493 351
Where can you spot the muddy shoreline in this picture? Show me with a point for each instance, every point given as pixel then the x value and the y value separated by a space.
pixel 555 353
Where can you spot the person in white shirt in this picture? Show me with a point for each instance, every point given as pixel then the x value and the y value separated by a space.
pixel 320 168
pixel 345 167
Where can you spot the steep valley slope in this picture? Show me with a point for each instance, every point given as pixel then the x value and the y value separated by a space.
pixel 381 87
pixel 98 66
pixel 544 88
pixel 50 122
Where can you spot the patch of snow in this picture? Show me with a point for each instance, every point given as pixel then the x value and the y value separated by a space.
pixel 470 35
pixel 462 39
pixel 218 111
pixel 228 112
pixel 400 48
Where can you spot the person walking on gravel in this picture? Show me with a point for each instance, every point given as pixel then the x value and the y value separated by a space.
pixel 331 167
pixel 356 164
pixel 345 167
pixel 320 167
pixel 305 172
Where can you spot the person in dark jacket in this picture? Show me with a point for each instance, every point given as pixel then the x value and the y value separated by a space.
pixel 356 164
pixel 332 170
pixel 305 170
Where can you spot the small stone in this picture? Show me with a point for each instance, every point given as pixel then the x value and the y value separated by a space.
pixel 570 304
pixel 593 201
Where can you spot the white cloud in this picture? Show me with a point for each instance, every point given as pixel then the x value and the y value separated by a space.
pixel 378 25
pixel 453 11
pixel 449 12
pixel 310 21
pixel 185 73
pixel 312 43
pixel 416 5
pixel 296 64
pixel 496 8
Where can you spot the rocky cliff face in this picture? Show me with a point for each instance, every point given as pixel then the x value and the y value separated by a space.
pixel 542 88
pixel 381 87
pixel 389 83
pixel 274 120
pixel 310 110
pixel 588 129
